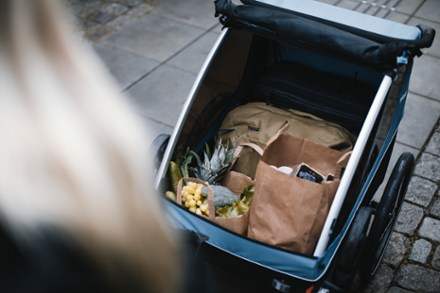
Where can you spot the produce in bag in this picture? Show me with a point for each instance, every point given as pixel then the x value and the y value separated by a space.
pixel 215 202
pixel 198 190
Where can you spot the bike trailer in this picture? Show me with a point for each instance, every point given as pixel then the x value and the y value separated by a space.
pixel 345 67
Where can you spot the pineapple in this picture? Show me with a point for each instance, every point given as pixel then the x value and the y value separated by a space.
pixel 214 164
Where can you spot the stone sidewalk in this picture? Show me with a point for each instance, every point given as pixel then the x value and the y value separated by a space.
pixel 155 48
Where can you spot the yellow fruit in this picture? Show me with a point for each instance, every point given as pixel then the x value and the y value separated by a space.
pixel 192 198
pixel 192 203
pixel 175 175
pixel 171 195
pixel 204 208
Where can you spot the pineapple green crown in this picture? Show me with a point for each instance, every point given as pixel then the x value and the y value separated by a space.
pixel 212 167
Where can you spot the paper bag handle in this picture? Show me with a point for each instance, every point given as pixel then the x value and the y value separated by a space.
pixel 253 146
pixel 342 163
pixel 279 132
pixel 239 149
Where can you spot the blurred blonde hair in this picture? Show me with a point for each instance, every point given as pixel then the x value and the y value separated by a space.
pixel 72 153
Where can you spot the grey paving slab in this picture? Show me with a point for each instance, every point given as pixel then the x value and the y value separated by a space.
pixel 396 250
pixel 433 146
pixel 407 7
pixel 430 10
pixel 161 95
pixel 378 12
pixel 152 37
pixel 101 18
pixel 155 128
pixel 435 208
pixel 391 11
pixel 419 117
pixel 199 13
pixel 331 2
pixel 399 149
pixel 129 3
pixel 397 17
pixel 430 229
pixel 409 218
pixel 418 278
pixel 425 75
pixel 436 259
pixel 192 58
pixel 99 32
pixel 126 67
pixel 420 191
pixel 420 251
pixel 381 280
pixel 83 8
pixel 434 50
pixel 348 4
pixel 107 12
pixel 428 167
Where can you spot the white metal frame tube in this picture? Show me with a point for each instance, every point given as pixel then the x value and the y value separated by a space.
pixel 358 149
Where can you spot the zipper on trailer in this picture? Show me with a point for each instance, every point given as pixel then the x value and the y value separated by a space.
pixel 283 100
pixel 268 86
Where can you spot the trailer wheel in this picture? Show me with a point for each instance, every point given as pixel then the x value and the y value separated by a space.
pixel 157 149
pixel 386 216
pixel 351 251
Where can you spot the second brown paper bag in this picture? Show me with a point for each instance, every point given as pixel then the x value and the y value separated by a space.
pixel 288 211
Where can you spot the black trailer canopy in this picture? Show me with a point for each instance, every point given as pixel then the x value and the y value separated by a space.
pixel 316 35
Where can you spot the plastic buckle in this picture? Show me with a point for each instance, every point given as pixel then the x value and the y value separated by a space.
pixel 281 286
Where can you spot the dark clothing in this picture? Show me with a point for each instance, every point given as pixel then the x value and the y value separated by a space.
pixel 49 262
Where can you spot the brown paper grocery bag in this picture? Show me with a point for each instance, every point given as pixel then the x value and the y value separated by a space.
pixel 237 181
pixel 238 225
pixel 288 211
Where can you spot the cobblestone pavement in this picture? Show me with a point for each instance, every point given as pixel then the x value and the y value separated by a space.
pixel 102 18
pixel 155 48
